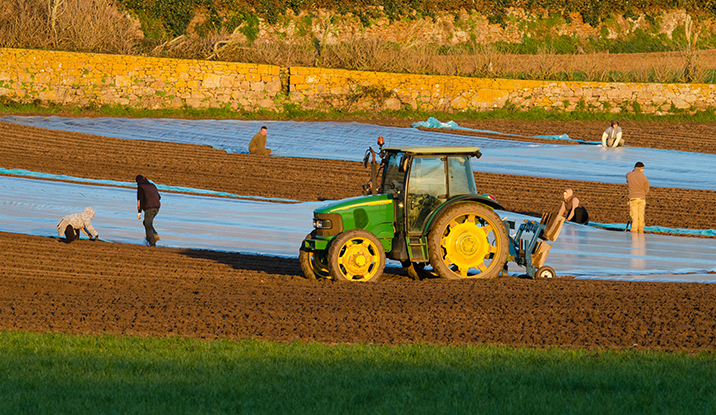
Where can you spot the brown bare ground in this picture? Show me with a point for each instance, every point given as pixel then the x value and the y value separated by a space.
pixel 97 287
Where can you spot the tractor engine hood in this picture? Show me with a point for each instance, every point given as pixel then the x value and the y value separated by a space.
pixel 375 214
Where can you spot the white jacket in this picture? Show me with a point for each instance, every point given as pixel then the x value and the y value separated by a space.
pixel 615 134
pixel 78 221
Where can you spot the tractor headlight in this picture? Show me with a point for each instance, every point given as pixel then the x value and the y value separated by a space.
pixel 322 223
pixel 327 224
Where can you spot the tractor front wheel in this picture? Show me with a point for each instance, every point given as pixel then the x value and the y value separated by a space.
pixel 468 240
pixel 312 265
pixel 356 255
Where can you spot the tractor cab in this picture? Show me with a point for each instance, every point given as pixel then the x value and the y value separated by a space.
pixel 424 178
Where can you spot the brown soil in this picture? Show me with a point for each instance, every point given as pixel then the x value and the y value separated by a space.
pixel 97 287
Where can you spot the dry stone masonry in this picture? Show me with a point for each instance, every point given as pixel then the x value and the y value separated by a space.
pixel 155 83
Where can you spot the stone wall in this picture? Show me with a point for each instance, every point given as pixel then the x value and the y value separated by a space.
pixel 84 78
pixel 320 88
pixel 89 78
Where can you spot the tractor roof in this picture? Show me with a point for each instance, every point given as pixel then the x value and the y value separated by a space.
pixel 441 150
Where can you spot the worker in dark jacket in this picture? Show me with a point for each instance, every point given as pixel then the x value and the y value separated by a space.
pixel 148 201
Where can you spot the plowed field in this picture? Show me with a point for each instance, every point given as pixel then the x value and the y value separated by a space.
pixel 96 287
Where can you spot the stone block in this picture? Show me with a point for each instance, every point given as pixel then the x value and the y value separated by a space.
pixel 265 103
pixel 257 86
pixel 226 81
pixel 274 86
pixel 680 103
pixel 392 104
pixel 211 81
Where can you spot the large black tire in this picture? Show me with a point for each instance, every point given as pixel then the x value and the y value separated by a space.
pixel 356 255
pixel 468 240
pixel 311 265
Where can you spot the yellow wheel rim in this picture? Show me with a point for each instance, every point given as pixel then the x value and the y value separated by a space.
pixel 358 259
pixel 466 244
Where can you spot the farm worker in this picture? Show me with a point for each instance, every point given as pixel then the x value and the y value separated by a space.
pixel 572 210
pixel 258 143
pixel 612 136
pixel 148 201
pixel 70 225
pixel 638 186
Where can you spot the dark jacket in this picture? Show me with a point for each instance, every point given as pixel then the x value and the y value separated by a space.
pixel 147 194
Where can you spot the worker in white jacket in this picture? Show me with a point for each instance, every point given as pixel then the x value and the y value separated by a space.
pixel 612 136
pixel 70 225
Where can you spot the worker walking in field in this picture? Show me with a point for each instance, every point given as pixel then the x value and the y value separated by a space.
pixel 572 210
pixel 258 143
pixel 148 201
pixel 612 136
pixel 638 188
pixel 71 225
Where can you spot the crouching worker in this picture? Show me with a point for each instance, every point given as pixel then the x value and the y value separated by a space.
pixel 612 136
pixel 572 210
pixel 258 143
pixel 70 225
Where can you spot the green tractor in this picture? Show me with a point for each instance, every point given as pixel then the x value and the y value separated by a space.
pixel 424 211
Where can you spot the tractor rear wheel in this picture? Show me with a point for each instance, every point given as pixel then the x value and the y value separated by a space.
pixel 356 255
pixel 468 240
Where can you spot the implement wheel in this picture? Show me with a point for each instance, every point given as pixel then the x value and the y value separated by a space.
pixel 545 273
pixel 469 240
pixel 356 255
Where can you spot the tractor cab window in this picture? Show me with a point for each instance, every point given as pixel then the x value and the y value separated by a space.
pixel 394 175
pixel 426 190
pixel 460 176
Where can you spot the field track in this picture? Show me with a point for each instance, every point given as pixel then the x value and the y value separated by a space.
pixel 97 287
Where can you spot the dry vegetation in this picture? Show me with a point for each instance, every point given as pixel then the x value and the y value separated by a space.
pixel 75 25
pixel 687 65
pixel 99 26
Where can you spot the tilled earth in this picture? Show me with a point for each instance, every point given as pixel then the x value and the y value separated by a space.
pixel 96 287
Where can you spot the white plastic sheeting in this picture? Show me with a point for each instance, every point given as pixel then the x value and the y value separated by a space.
pixel 348 141
pixel 182 189
pixel 33 206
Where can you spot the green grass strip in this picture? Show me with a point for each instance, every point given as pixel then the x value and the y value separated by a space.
pixel 60 373
pixel 293 112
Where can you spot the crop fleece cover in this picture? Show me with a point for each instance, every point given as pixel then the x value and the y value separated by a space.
pixel 78 221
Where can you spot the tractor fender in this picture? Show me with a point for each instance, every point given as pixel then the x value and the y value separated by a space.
pixel 464 198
